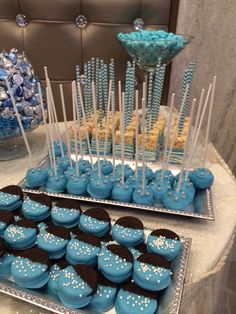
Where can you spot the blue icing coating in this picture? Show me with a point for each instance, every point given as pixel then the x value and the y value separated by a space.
pixel 36 177
pixel 50 171
pixel 131 303
pixel 202 178
pixel 5 263
pixel 28 274
pixel 3 226
pixel 143 196
pixel 113 267
pixel 69 173
pixel 56 184
pixel 112 179
pixel 67 217
pixel 103 299
pixel 148 173
pixel 99 188
pixel 168 248
pixel 135 181
pixel 20 238
pixel 54 274
pixel 79 252
pixel 7 199
pixel 128 171
pixel 84 165
pixel 183 175
pixel 34 210
pixel 57 148
pixel 72 290
pixel 93 226
pixel 106 166
pixel 167 175
pixel 122 193
pixel 127 236
pixel 159 189
pixel 55 246
pixel 11 207
pixel 152 278
pixel 176 200
pixel 188 188
pixel 63 162
pixel 77 185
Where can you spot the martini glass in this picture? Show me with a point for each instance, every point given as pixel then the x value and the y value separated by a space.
pixel 147 52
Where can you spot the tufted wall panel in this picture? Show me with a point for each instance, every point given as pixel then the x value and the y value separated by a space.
pixel 52 37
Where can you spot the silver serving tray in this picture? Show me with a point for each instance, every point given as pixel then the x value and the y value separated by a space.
pixel 169 302
pixel 206 211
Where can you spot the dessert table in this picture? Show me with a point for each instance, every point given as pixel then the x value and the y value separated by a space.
pixel 211 240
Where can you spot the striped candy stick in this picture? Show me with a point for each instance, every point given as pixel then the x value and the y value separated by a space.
pixel 112 78
pixel 97 78
pixel 182 113
pixel 105 86
pixel 89 89
pixel 127 77
pixel 100 94
pixel 190 76
pixel 149 101
pixel 86 101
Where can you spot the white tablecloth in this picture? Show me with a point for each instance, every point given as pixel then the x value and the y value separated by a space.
pixel 211 240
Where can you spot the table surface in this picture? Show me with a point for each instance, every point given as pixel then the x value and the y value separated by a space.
pixel 209 238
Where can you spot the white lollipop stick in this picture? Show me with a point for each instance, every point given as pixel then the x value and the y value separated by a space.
pixel 144 91
pixel 199 125
pixel 122 134
pixel 143 141
pixel 74 106
pixel 209 121
pixel 85 123
pixel 96 128
pixel 120 95
pixel 20 123
pixel 168 133
pixel 45 125
pixel 107 119
pixel 65 123
pixel 74 94
pixel 136 133
pixel 186 144
pixel 113 131
pixel 54 113
pixel 50 131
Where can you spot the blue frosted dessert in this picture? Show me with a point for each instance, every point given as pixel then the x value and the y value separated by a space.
pixel 36 177
pixel 128 171
pixel 11 197
pixel 143 196
pixel 202 178
pixel 106 167
pixel 56 184
pixel 54 274
pixel 99 188
pixel 77 185
pixel 66 213
pixel 122 193
pixel 6 218
pixel 37 207
pixel 176 200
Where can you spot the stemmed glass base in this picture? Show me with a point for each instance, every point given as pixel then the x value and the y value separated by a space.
pixel 12 148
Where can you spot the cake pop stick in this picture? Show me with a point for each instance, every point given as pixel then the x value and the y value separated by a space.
pixel 45 125
pixel 50 130
pixel 136 133
pixel 107 119
pixel 199 125
pixel 19 122
pixel 54 113
pixel 168 134
pixel 113 131
pixel 183 113
pixel 120 97
pixel 75 114
pixel 122 134
pixel 186 145
pixel 96 128
pixel 143 141
pixel 79 120
pixel 65 123
pixel 85 123
pixel 209 121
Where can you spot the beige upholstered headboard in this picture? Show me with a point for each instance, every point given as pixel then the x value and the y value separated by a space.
pixel 52 37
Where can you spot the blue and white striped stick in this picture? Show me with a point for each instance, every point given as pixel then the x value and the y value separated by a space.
pixel 149 101
pixel 112 78
pixel 77 69
pixel 100 95
pixel 105 86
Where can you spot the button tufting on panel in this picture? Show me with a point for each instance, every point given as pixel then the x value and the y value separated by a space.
pixel 21 20
pixel 81 21
pixel 138 24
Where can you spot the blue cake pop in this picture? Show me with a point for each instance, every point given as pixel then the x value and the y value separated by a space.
pixel 202 178
pixel 135 181
pixel 63 162
pixel 122 192
pixel 148 173
pixel 188 188
pixel 36 177
pixel 56 184
pixel 176 200
pixel 69 173
pixel 99 188
pixel 167 175
pixel 128 171
pixel 143 196
pixel 77 185
pixel 59 170
pixel 159 189
pixel 57 148
pixel 84 165
pixel 106 167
